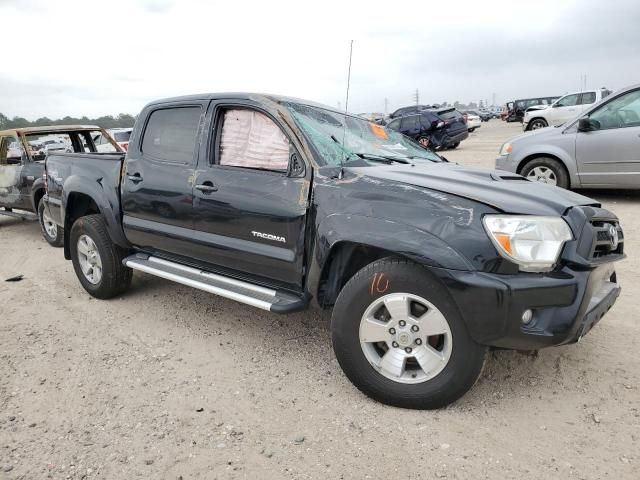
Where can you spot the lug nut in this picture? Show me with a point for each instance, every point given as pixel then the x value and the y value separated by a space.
pixel 415 328
pixel 408 349
pixel 394 344
pixel 402 323
pixel 392 331
pixel 418 341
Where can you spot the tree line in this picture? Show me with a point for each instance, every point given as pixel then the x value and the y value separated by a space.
pixel 121 120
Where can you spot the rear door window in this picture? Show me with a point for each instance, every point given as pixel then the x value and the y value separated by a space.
pixel 170 135
pixel 11 151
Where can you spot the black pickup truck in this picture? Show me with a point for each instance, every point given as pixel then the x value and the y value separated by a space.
pixel 284 204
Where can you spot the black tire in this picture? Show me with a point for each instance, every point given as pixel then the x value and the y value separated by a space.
pixel 471 130
pixel 559 171
pixel 115 277
pixel 425 141
pixel 454 145
pixel 56 237
pixel 537 123
pixel 463 367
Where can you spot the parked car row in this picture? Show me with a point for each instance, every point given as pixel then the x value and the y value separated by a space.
pixel 563 109
pixel 598 148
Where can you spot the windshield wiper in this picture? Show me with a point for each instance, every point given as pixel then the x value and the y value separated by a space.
pixel 382 158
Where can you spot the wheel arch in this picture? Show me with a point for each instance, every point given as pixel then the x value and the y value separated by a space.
pixel 83 198
pixel 537 118
pixel 345 244
pixel 570 174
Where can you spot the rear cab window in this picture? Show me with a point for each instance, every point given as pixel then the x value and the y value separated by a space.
pixel 170 134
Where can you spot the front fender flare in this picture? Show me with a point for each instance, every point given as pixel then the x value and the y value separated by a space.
pixel 418 245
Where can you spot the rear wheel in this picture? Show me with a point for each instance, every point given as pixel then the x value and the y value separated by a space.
pixel 425 141
pixel 537 124
pixel 400 339
pixel 51 232
pixel 471 130
pixel 97 261
pixel 546 170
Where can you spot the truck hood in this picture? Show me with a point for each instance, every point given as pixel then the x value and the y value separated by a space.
pixel 501 190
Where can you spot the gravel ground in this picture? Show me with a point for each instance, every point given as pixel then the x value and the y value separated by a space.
pixel 170 382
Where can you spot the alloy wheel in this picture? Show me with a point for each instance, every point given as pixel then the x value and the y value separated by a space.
pixel 405 338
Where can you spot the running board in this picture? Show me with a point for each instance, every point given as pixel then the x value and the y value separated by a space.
pixel 22 215
pixel 243 292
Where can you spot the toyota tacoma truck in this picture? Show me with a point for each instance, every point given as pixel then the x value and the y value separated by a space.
pixel 284 204
pixel 22 155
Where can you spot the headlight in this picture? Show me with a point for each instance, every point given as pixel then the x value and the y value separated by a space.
pixel 532 242
pixel 506 149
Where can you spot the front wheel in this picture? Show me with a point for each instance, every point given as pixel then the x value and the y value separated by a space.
pixel 454 145
pixel 471 130
pixel 400 339
pixel 546 170
pixel 537 124
pixel 97 261
pixel 52 233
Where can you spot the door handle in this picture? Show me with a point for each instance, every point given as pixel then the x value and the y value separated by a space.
pixel 206 187
pixel 135 178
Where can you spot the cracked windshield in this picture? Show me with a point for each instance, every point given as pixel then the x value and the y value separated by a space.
pixel 342 138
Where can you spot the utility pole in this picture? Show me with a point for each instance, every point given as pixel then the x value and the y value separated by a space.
pixel 386 105
pixel 416 97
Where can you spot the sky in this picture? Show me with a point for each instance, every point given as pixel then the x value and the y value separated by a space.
pixel 93 58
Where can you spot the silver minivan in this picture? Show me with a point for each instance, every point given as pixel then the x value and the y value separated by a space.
pixel 598 149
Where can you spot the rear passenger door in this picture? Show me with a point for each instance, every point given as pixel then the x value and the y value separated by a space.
pixel 251 195
pixel 157 191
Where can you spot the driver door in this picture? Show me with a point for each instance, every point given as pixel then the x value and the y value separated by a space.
pixel 610 155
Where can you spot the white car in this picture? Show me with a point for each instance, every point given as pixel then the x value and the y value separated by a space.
pixel 120 135
pixel 562 110
pixel 473 121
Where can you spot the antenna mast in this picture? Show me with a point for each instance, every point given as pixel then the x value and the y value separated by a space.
pixel 346 102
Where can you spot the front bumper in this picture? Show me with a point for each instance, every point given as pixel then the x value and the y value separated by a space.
pixel 566 304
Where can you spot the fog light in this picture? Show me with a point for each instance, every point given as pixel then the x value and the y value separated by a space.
pixel 527 315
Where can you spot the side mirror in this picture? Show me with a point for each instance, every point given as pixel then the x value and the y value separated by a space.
pixel 585 124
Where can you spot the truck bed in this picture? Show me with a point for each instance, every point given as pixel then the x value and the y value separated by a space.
pixel 88 173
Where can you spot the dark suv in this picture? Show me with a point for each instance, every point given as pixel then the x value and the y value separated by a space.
pixel 436 129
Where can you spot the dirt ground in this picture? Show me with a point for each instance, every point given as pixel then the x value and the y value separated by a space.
pixel 170 382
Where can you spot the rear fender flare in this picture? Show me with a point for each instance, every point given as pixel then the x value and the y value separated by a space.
pixel 107 201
